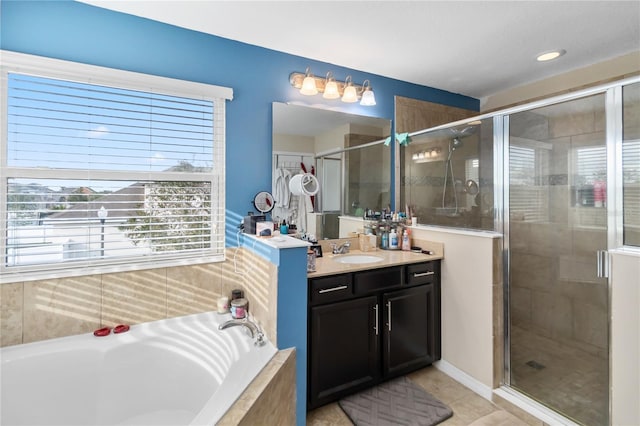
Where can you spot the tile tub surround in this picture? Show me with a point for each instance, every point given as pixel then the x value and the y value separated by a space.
pixel 270 398
pixel 46 309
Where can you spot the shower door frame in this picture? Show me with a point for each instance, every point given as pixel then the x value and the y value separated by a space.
pixel 614 137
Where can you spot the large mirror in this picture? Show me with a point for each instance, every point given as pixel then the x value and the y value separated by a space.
pixel 347 155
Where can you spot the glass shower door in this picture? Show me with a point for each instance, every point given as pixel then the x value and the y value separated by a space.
pixel 558 306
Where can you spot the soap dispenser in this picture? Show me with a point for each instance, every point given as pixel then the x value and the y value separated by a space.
pixel 393 240
pixel 406 240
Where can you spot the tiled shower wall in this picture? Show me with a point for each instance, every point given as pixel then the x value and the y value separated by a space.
pixel 554 290
pixel 45 309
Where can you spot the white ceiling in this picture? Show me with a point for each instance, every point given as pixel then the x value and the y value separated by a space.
pixel 475 48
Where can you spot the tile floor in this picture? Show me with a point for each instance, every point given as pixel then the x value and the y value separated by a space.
pixel 468 407
pixel 570 380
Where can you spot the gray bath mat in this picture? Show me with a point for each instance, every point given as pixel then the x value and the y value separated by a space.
pixel 396 402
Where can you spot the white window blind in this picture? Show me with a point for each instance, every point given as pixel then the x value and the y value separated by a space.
pixel 631 190
pixel 100 175
pixel 591 164
pixel 472 169
pixel 528 200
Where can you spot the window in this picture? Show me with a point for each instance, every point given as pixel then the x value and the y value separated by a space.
pixel 631 191
pixel 631 164
pixel 528 198
pixel 104 168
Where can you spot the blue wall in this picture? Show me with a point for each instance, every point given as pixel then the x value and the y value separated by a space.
pixel 292 309
pixel 78 32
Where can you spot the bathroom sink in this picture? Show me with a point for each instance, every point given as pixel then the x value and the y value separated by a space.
pixel 357 258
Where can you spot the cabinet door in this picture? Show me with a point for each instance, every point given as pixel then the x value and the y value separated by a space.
pixel 409 336
pixel 343 350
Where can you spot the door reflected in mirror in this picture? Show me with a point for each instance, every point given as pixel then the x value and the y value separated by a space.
pixel 346 154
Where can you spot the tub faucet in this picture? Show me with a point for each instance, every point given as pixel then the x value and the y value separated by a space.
pixel 253 328
pixel 340 248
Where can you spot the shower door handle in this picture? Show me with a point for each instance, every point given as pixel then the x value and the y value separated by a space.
pixel 602 263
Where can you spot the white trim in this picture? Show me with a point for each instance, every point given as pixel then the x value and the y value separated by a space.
pixel 532 105
pixel 626 251
pixel 537 410
pixel 462 377
pixel 521 401
pixel 459 231
pixel 56 68
pixel 13 62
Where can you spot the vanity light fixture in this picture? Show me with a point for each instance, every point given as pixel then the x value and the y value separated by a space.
pixel 432 154
pixel 350 95
pixel 309 84
pixel 368 98
pixel 331 88
pixel 550 55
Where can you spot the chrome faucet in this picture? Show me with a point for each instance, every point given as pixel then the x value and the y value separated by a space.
pixel 340 248
pixel 253 328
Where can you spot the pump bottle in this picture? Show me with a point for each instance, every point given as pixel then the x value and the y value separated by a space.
pixel 406 241
pixel 393 240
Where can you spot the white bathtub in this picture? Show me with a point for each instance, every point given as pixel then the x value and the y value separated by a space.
pixel 180 371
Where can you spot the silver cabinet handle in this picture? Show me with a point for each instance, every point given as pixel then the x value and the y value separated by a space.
pixel 329 290
pixel 422 274
pixel 389 315
pixel 375 308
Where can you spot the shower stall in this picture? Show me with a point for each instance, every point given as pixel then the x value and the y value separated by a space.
pixel 558 302
pixel 447 176
pixel 559 180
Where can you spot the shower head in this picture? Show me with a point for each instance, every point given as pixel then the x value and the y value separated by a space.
pixel 455 143
pixel 463 132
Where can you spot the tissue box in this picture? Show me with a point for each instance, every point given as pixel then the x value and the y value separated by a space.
pixel 367 242
pixel 264 228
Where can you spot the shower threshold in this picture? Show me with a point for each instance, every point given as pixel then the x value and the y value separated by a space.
pixel 533 407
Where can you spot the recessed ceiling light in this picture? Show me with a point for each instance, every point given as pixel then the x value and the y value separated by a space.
pixel 548 56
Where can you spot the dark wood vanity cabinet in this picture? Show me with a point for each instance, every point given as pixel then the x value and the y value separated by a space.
pixel 369 326
pixel 409 330
pixel 345 348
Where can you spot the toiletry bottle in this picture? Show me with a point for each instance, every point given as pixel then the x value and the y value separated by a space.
pixel 385 240
pixel 311 261
pixel 406 241
pixel 393 240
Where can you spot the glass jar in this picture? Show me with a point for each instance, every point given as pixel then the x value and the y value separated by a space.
pixel 238 308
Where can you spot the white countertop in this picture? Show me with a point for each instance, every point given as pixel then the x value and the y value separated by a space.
pixel 280 241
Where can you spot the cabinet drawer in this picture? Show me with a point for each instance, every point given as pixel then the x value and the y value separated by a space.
pixel 376 279
pixel 422 273
pixel 330 289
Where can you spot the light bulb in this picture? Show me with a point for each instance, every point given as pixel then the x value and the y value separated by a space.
pixel 350 94
pixel 368 98
pixel 309 86
pixel 331 90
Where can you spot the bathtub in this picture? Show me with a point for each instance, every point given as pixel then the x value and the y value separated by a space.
pixel 179 371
